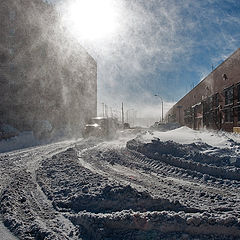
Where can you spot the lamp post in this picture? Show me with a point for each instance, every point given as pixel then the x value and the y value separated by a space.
pixel 122 116
pixel 156 95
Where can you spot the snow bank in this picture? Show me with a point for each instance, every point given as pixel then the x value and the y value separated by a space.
pixel 208 153
pixel 185 135
pixel 23 140
pixel 27 139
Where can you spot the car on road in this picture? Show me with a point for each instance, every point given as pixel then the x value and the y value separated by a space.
pixel 101 127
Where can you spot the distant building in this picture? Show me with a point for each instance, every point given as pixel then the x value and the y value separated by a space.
pixel 215 102
pixel 45 76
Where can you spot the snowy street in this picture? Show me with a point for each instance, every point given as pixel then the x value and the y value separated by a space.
pixel 178 184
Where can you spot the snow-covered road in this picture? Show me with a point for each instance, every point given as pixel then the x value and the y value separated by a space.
pixel 11 163
pixel 180 184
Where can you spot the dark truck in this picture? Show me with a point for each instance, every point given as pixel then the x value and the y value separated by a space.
pixel 101 127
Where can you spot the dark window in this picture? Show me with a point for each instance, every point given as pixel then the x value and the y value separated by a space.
pixel 238 114
pixel 228 115
pixel 224 76
pixel 211 103
pixel 216 100
pixel 3 57
pixel 216 117
pixel 229 96
pixel 207 104
pixel 238 92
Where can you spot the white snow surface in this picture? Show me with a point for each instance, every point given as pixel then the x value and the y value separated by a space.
pixel 183 189
pixel 27 139
pixel 185 135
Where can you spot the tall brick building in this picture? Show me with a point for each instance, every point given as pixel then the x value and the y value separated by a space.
pixel 215 102
pixel 44 74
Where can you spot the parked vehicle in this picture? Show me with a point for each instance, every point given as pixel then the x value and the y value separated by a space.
pixel 101 127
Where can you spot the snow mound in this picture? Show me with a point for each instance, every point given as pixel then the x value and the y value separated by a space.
pixel 23 140
pixel 185 135
pixel 197 156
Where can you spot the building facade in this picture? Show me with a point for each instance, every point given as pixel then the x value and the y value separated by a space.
pixel 45 75
pixel 215 102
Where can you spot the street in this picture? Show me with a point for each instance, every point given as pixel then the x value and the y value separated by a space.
pixel 132 187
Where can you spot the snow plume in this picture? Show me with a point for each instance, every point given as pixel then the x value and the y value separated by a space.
pixel 55 78
pixel 126 60
pixel 161 47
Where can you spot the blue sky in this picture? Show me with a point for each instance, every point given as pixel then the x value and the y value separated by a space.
pixel 164 47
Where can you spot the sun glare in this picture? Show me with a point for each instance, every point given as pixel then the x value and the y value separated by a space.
pixel 92 19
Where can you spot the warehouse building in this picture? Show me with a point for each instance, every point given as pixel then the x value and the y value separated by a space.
pixel 45 75
pixel 215 102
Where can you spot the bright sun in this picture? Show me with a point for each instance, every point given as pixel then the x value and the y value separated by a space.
pixel 92 19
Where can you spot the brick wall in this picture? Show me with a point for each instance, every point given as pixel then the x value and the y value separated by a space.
pixel 200 108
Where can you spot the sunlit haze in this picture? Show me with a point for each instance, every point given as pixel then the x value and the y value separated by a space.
pixel 92 19
pixel 149 47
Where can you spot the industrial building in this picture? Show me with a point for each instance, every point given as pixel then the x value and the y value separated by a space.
pixel 45 75
pixel 215 102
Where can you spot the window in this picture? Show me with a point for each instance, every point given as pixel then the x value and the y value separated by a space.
pixel 238 114
pixel 211 103
pixel 3 58
pixel 238 92
pixel 207 105
pixel 216 100
pixel 224 76
pixel 229 96
pixel 228 115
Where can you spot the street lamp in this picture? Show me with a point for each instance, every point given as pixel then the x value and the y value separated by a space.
pixel 162 104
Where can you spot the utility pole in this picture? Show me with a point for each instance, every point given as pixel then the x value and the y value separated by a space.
pixel 156 95
pixel 103 110
pixel 106 110
pixel 122 116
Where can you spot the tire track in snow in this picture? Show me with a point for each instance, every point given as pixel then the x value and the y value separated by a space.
pixel 13 162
